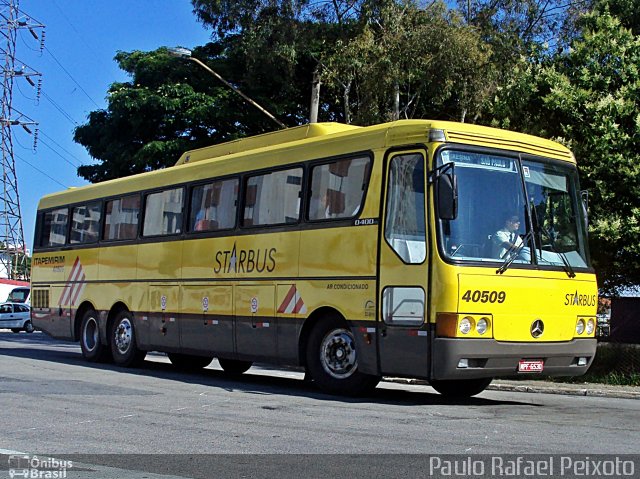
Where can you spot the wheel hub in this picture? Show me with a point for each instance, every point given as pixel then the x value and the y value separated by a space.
pixel 91 334
pixel 338 354
pixel 123 336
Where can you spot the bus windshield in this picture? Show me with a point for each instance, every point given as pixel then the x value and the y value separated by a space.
pixel 518 211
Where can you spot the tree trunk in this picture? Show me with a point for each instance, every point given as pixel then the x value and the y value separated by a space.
pixel 396 102
pixel 315 96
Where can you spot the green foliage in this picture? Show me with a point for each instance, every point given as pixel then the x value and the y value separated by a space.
pixel 589 98
pixel 409 62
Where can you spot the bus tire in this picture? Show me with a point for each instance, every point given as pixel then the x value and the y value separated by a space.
pixel 332 360
pixel 90 342
pixel 189 362
pixel 234 367
pixel 460 388
pixel 123 342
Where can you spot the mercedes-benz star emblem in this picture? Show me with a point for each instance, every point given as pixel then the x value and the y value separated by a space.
pixel 537 328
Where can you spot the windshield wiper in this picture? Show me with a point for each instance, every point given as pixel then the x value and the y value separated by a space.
pixel 514 252
pixel 567 266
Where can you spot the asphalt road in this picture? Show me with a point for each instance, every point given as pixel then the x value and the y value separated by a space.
pixel 157 422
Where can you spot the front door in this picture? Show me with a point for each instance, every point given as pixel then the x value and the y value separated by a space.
pixel 403 333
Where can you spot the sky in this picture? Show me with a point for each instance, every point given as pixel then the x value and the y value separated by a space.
pixel 81 37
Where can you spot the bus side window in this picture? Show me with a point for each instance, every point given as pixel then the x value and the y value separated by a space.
pixel 273 198
pixel 85 223
pixel 213 206
pixel 163 212
pixel 54 228
pixel 337 189
pixel 121 218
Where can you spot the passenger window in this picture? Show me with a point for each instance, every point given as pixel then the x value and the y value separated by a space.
pixel 337 189
pixel 213 206
pixel 121 218
pixel 54 228
pixel 85 223
pixel 163 212
pixel 273 198
pixel 405 229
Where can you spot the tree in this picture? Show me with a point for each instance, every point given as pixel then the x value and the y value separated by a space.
pixel 409 62
pixel 169 106
pixel 589 98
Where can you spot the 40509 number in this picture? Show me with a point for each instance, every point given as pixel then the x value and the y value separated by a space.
pixel 478 296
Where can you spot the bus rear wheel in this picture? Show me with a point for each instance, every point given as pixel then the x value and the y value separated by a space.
pixel 460 388
pixel 234 367
pixel 189 362
pixel 332 360
pixel 123 342
pixel 90 342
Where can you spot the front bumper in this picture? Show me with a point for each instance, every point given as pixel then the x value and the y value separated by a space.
pixel 491 358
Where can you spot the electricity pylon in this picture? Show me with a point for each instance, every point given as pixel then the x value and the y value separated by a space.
pixel 12 247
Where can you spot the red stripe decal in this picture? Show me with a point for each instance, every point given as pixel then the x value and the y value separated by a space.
pixel 287 299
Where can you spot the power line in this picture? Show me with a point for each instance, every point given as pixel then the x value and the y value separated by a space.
pixel 57 153
pixel 39 170
pixel 60 109
pixel 73 27
pixel 62 148
pixel 72 78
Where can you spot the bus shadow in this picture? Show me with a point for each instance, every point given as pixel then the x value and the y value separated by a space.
pixel 252 382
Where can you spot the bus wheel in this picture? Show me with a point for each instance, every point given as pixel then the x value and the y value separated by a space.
pixel 123 342
pixel 332 360
pixel 234 367
pixel 461 388
pixel 92 348
pixel 189 362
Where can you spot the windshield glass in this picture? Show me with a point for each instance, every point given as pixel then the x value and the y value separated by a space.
pixel 556 214
pixel 493 223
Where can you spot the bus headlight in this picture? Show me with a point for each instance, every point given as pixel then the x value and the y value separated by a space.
pixel 465 325
pixel 580 326
pixel 591 325
pixel 482 326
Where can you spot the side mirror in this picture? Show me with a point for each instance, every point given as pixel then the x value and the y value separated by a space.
pixel 447 194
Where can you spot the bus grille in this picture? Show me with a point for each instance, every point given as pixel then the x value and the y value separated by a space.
pixel 40 299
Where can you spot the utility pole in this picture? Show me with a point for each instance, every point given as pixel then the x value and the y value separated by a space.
pixel 12 246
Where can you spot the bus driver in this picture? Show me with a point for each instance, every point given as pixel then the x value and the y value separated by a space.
pixel 506 239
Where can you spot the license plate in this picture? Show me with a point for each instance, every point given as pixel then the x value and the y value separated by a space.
pixel 530 366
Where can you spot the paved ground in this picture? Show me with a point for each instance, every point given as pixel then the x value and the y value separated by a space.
pixel 157 422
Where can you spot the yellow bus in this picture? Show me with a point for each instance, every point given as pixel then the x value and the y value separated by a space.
pixel 443 251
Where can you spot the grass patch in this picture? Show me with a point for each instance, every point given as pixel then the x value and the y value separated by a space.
pixel 615 364
pixel 613 378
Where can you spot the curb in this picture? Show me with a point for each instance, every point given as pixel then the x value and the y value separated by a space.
pixel 578 390
pixel 567 391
